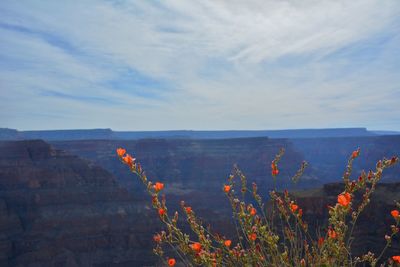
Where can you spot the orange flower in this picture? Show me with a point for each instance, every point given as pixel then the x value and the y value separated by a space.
pixel 188 209
pixel 320 241
pixel 128 160
pixel 332 234
pixel 171 262
pixel 121 152
pixel 274 168
pixel 227 243
pixel 253 211
pixel 293 207
pixel 158 186
pixel 355 154
pixel 157 238
pixel 196 246
pixel 162 212
pixel 396 258
pixel 253 236
pixel 344 199
pixel 227 188
pixel 395 213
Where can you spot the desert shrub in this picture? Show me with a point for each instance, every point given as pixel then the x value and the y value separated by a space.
pixel 275 237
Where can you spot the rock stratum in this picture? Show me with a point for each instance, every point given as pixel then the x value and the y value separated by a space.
pixel 200 165
pixel 59 210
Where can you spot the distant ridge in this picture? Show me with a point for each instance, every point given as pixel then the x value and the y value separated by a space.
pixel 108 134
pixel 386 132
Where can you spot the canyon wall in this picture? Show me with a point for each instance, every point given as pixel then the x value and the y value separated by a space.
pixel 59 210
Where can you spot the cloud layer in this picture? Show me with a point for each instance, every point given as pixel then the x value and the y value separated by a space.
pixel 146 65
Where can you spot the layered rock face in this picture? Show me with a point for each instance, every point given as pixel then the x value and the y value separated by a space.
pixel 372 225
pixel 203 165
pixel 329 155
pixel 59 210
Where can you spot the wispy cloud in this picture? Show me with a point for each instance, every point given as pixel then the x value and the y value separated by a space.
pixel 144 65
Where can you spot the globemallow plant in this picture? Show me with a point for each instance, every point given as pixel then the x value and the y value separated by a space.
pixel 277 238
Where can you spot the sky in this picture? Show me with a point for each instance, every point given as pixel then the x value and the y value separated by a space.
pixel 199 65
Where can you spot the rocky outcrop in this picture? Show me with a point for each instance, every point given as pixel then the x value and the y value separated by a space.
pixel 59 210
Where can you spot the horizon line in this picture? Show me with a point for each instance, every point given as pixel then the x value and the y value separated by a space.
pixel 202 130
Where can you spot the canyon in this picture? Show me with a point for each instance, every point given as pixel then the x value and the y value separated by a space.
pixel 72 202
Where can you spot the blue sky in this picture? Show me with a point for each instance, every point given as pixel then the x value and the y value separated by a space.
pixel 201 65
